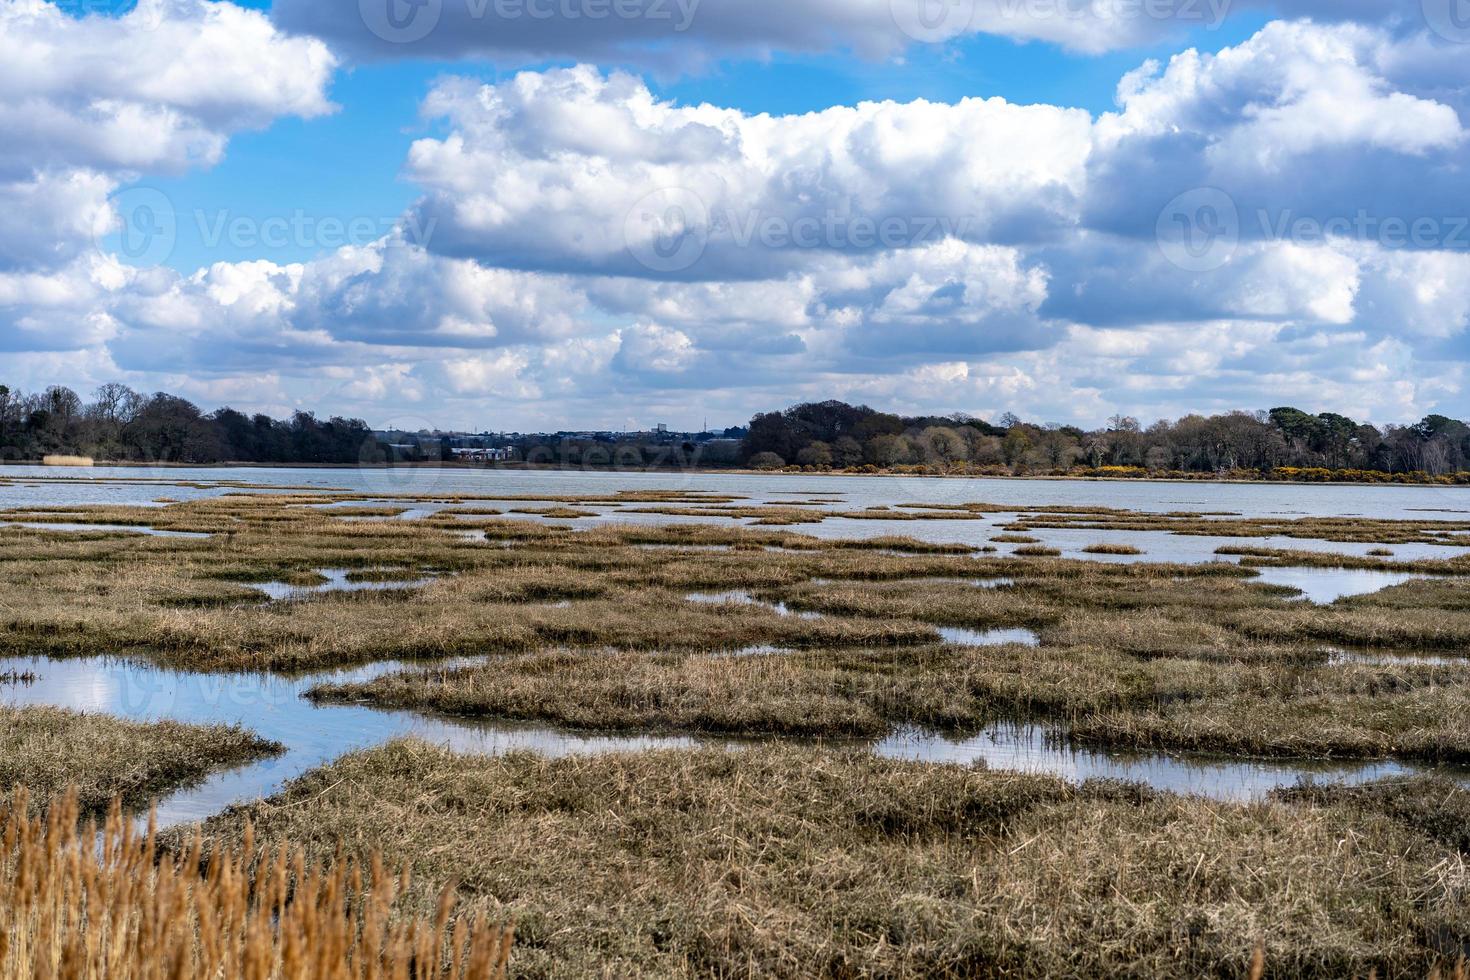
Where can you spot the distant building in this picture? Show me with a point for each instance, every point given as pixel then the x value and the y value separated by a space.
pixel 484 454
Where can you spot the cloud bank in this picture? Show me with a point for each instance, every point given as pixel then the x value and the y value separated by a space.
pixel 1275 221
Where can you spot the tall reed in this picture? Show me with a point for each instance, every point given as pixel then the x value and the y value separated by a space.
pixel 74 904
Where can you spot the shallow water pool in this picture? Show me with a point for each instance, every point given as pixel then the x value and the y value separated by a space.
pixel 273 706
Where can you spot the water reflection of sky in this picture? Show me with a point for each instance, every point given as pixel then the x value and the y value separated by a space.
pixel 1027 748
pixel 856 493
pixel 64 487
pixel 1327 585
pixel 101 528
pixel 273 706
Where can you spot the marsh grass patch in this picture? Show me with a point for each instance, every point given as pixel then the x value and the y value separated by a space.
pixel 802 862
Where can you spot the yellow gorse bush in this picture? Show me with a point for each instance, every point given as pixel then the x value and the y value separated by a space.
pixel 76 905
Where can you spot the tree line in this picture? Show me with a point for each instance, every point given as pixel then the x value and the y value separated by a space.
pixel 1281 443
pixel 122 424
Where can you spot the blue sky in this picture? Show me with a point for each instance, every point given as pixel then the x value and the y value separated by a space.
pixel 1063 208
pixel 349 163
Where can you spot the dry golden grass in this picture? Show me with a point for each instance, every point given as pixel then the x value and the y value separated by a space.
pixel 1343 529
pixel 1404 712
pixel 74 908
pixel 783 693
pixel 1436 806
pixel 46 749
pixel 1287 558
pixel 594 628
pixel 802 862
pixel 1111 549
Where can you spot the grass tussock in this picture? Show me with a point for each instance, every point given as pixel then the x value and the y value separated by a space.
pixel 74 907
pixel 1401 713
pixel 1339 529
pixel 767 691
pixel 819 693
pixel 1435 806
pixel 46 749
pixel 807 863
pixel 1287 558
pixel 1111 549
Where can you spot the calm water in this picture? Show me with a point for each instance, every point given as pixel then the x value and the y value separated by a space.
pixel 274 707
pixel 1249 500
pixel 123 485
pixel 745 598
pixel 337 580
pixel 110 528
pixel 1327 585
pixel 1028 748
pixel 988 638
